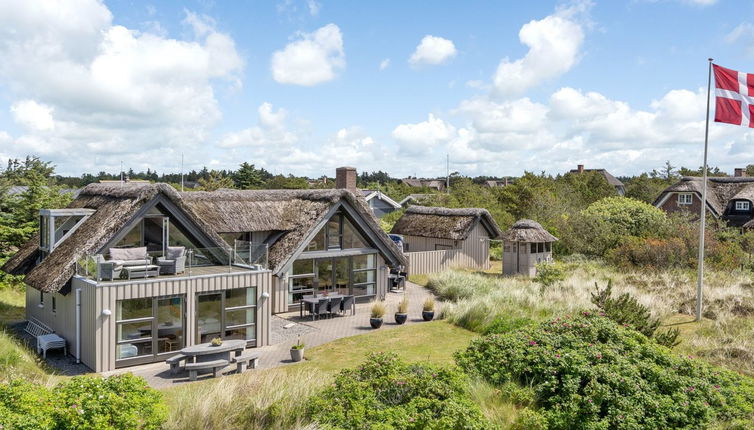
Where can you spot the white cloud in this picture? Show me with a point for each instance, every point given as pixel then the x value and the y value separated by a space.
pixel 422 136
pixel 271 132
pixel 32 115
pixel 84 85
pixel 743 33
pixel 433 50
pixel 314 7
pixel 384 64
pixel 312 59
pixel 554 47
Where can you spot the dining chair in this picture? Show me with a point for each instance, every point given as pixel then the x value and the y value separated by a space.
pixel 334 305
pixel 322 307
pixel 349 302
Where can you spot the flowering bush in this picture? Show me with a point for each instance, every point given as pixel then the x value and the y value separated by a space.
pixel 386 393
pixel 83 402
pixel 590 372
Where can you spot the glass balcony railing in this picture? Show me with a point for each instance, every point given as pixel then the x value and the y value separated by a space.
pixel 136 263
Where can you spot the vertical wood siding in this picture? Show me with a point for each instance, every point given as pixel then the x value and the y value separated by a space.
pixel 102 343
pixel 472 253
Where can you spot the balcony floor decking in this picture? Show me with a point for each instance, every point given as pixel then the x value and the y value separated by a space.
pixel 194 272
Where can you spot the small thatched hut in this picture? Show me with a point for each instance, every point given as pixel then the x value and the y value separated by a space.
pixel 525 244
pixel 466 231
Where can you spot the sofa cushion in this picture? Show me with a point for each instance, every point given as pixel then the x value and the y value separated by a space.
pixel 174 252
pixel 126 254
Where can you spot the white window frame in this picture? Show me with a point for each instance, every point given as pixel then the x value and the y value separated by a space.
pixel 685 198
pixel 743 206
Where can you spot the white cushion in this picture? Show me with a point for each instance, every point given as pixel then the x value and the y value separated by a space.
pixel 128 253
pixel 174 252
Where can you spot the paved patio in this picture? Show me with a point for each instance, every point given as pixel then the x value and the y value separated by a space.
pixel 313 333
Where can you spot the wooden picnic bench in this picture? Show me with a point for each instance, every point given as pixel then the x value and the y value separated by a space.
pixel 245 361
pixel 215 365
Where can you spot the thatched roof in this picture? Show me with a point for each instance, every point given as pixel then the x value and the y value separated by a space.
pixel 720 190
pixel 526 230
pixel 293 213
pixel 115 205
pixel 444 223
pixel 612 180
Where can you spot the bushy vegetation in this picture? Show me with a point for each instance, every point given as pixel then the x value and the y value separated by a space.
pixel 627 311
pixel 123 402
pixel 387 393
pixel 589 372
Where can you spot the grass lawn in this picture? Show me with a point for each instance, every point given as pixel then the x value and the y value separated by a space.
pixel 12 305
pixel 275 398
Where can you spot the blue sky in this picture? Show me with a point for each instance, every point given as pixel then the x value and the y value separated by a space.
pixel 305 86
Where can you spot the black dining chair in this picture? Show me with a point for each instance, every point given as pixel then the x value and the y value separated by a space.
pixel 349 302
pixel 334 305
pixel 322 308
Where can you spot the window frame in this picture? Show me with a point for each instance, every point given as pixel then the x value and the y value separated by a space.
pixel 153 320
pixel 224 310
pixel 685 199
pixel 742 205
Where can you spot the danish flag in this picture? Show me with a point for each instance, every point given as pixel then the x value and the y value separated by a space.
pixel 734 96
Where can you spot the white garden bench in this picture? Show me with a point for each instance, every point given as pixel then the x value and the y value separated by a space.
pixel 246 361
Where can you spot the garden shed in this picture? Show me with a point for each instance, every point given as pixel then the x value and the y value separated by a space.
pixel 525 245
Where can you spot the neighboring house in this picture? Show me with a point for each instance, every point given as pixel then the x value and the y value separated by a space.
pixel 465 231
pixel 728 198
pixel 620 188
pixel 495 184
pixel 20 189
pixel 433 184
pixel 415 199
pixel 380 203
pixel 243 255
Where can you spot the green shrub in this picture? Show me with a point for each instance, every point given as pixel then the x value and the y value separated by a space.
pixel 590 372
pixel 549 274
pixel 506 322
pixel 626 310
pixel 121 402
pixel 385 393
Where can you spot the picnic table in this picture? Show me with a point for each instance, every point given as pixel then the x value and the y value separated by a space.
pixel 207 352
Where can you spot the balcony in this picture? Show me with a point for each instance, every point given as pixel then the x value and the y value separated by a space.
pixel 188 263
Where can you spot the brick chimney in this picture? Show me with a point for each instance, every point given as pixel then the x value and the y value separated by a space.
pixel 739 172
pixel 580 168
pixel 345 177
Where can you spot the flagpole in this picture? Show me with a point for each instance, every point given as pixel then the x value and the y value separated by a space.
pixel 703 214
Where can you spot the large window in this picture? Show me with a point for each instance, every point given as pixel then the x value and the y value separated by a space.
pixel 356 275
pixel 149 326
pixel 338 233
pixel 229 314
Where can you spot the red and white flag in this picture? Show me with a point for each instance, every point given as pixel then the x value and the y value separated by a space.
pixel 734 96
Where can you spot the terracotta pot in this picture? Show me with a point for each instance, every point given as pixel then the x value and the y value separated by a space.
pixel 375 322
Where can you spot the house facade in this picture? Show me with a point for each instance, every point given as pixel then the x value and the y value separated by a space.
pixel 728 198
pixel 464 232
pixel 201 265
pixel 380 203
pixel 525 245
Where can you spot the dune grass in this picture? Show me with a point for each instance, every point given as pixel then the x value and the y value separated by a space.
pixel 725 337
pixel 12 304
pixel 276 398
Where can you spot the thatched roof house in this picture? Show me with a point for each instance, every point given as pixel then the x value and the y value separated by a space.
pixel 526 230
pixel 293 215
pixel 729 198
pixel 444 223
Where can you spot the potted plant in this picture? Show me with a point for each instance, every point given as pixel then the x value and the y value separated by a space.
pixel 428 309
pixel 402 314
pixel 297 351
pixel 217 341
pixel 378 311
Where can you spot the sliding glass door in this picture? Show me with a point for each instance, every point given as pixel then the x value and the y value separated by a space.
pixel 355 275
pixel 148 327
pixel 228 314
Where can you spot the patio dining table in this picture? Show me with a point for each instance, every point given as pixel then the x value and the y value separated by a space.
pixel 312 302
pixel 207 352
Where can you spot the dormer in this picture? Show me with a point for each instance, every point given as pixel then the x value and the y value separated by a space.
pixel 55 225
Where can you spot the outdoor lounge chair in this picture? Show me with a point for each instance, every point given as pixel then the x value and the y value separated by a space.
pixel 174 261
pixel 348 303
pixel 322 307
